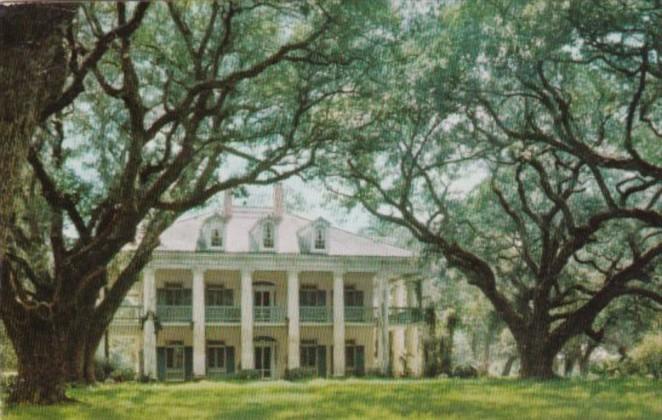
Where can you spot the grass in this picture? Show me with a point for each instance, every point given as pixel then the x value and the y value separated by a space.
pixel 362 399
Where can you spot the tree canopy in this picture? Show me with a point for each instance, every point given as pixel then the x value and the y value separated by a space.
pixel 163 106
pixel 555 107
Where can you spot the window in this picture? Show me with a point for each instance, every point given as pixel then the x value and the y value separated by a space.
pixel 216 238
pixel 354 359
pixel 320 240
pixel 219 296
pixel 216 357
pixel 175 356
pixel 312 297
pixel 173 295
pixel 353 297
pixel 268 235
pixel 308 356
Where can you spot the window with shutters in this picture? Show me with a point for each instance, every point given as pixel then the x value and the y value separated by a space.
pixel 353 297
pixel 312 297
pixel 174 294
pixel 216 357
pixel 219 296
pixel 309 356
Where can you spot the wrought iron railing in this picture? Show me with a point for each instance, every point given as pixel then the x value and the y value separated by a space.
pixel 174 313
pixel 405 315
pixel 359 314
pixel 270 314
pixel 315 314
pixel 230 314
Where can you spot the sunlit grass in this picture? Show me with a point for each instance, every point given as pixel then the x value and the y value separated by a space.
pixel 378 399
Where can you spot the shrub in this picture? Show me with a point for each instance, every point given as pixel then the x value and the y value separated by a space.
pixel 647 355
pixel 145 379
pixel 465 371
pixel 103 369
pixel 7 385
pixel 123 375
pixel 245 375
pixel 376 373
pixel 299 374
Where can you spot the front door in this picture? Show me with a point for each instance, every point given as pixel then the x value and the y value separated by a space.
pixel 264 360
pixel 174 363
pixel 263 300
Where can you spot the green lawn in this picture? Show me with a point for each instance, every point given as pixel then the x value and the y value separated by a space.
pixel 378 399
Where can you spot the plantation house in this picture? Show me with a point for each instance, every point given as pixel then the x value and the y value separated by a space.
pixel 258 288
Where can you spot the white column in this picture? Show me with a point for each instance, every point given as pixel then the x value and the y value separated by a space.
pixel 377 304
pixel 247 355
pixel 412 336
pixel 293 358
pixel 400 295
pixel 338 324
pixel 149 332
pixel 384 354
pixel 199 361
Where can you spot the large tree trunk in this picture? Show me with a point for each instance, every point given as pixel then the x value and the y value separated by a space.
pixel 40 353
pixel 536 356
pixel 32 72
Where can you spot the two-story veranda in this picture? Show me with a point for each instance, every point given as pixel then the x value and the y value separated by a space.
pixel 257 288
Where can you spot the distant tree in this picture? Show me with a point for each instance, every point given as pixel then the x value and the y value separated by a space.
pixel 172 105
pixel 558 106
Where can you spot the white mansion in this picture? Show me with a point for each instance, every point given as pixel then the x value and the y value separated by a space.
pixel 257 288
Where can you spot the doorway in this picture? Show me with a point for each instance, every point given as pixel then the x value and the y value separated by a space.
pixel 265 360
pixel 264 301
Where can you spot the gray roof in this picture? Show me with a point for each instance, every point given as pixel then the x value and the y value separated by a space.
pixel 185 234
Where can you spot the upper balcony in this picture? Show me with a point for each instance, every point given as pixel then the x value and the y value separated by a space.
pixel 324 314
pixel 131 314
pixel 174 313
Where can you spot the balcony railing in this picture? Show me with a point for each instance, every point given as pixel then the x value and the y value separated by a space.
pixel 231 314
pixel 128 314
pixel 405 315
pixel 359 314
pixel 270 314
pixel 315 314
pixel 174 313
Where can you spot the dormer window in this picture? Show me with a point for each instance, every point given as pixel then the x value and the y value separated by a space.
pixel 314 238
pixel 268 235
pixel 320 239
pixel 212 234
pixel 216 238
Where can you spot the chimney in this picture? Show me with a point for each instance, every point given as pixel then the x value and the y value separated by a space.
pixel 278 200
pixel 227 203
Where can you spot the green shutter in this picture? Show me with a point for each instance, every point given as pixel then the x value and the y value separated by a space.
pixel 188 363
pixel 321 361
pixel 229 359
pixel 360 360
pixel 160 363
